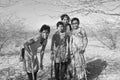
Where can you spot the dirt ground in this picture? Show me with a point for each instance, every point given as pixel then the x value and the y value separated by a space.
pixel 102 64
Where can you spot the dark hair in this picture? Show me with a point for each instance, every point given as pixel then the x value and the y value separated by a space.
pixel 69 26
pixel 45 27
pixel 59 23
pixel 65 15
pixel 75 19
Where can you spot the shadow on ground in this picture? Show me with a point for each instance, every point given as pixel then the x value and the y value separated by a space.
pixel 95 68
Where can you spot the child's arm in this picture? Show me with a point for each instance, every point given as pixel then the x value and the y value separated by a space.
pixel 22 53
pixel 42 54
pixel 27 45
pixel 85 39
pixel 52 47
pixel 71 42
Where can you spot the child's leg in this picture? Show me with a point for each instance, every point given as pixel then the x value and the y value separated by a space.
pixel 66 67
pixel 57 71
pixel 35 75
pixel 29 76
pixel 70 71
pixel 62 70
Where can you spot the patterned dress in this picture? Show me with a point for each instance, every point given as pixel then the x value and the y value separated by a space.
pixel 34 45
pixel 77 57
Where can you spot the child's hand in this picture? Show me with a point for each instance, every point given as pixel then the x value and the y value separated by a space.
pixel 52 57
pixel 41 66
pixel 21 59
pixel 82 51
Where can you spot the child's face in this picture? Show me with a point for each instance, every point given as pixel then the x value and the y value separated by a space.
pixel 45 34
pixel 60 28
pixel 65 20
pixel 75 24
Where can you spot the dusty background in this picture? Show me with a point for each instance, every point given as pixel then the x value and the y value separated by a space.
pixel 20 20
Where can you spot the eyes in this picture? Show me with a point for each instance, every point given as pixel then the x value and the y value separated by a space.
pixel 45 32
pixel 65 19
pixel 60 26
pixel 75 22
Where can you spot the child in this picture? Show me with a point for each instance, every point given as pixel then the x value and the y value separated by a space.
pixel 78 45
pixel 30 56
pixel 59 51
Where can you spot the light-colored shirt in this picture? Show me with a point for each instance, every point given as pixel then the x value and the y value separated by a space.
pixel 77 39
pixel 33 45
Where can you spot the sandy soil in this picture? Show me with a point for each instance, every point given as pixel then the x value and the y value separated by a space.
pixel 102 63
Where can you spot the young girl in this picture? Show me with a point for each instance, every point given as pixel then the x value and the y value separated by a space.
pixel 79 42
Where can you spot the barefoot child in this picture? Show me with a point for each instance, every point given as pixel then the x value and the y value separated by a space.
pixel 30 56
pixel 59 51
pixel 78 44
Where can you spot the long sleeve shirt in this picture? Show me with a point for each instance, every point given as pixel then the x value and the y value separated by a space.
pixel 59 46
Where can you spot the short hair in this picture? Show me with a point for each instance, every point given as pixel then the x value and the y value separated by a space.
pixel 75 18
pixel 60 23
pixel 69 26
pixel 65 15
pixel 45 27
